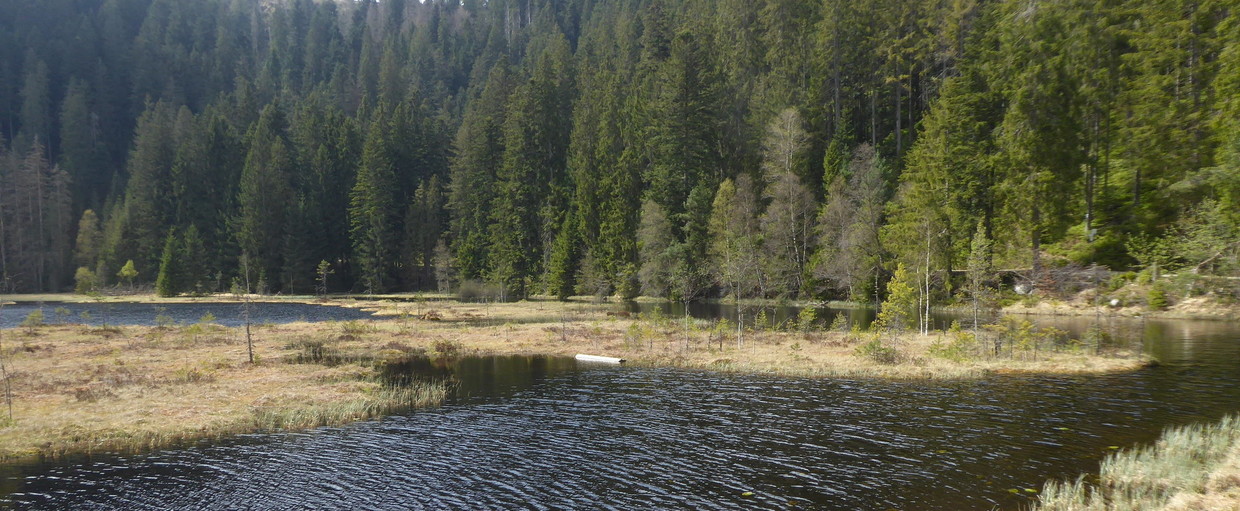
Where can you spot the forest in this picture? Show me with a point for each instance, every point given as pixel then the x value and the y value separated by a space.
pixel 672 148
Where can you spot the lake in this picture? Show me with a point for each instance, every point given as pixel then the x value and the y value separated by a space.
pixel 148 314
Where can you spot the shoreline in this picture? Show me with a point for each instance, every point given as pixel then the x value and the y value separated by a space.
pixel 83 389
pixel 1192 309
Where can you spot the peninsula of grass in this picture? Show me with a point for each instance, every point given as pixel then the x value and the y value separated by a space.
pixel 1193 467
pixel 82 389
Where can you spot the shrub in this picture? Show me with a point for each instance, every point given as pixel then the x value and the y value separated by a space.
pixel 356 327
pixel 85 281
pixel 162 319
pixel 960 348
pixel 34 319
pixel 1119 280
pixel 1156 299
pixel 475 291
pixel 806 318
pixel 876 351
pixel 447 349
pixel 840 323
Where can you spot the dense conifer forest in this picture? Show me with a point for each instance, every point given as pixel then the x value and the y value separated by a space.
pixel 675 148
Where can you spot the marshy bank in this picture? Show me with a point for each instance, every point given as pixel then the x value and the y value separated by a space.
pixel 80 389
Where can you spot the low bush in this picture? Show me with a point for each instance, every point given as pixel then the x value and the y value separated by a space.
pixel 1156 299
pixel 876 351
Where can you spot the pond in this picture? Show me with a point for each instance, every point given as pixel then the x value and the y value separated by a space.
pixel 148 314
pixel 547 433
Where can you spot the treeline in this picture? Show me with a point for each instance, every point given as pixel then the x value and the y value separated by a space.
pixel 677 148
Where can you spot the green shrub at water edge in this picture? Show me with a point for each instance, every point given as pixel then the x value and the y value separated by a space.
pixel 34 319
pixel 162 319
pixel 960 348
pixel 84 281
pixel 1157 297
pixel 806 319
pixel 840 323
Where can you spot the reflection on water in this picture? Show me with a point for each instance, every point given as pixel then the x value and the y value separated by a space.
pixel 148 314
pixel 546 433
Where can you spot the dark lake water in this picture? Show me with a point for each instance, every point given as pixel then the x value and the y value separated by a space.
pixel 540 433
pixel 128 313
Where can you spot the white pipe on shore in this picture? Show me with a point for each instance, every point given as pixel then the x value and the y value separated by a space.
pixel 601 360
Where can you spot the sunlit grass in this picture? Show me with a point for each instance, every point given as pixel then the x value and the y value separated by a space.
pixel 82 389
pixel 567 328
pixel 1189 467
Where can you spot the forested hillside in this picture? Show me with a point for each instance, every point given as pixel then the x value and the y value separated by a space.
pixel 678 148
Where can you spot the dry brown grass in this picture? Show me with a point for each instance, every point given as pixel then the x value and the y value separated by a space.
pixel 558 328
pixel 81 389
pixel 84 389
pixel 1083 304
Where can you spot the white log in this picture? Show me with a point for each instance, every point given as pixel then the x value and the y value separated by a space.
pixel 601 360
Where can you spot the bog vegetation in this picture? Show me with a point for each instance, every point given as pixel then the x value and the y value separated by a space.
pixel 674 148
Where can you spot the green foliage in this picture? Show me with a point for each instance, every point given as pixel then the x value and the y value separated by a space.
pixel 265 193
pixel 960 346
pixel 162 319
pixel 806 319
pixel 476 291
pixel 899 310
pixel 1119 280
pixel 840 323
pixel 34 319
pixel 128 272
pixel 561 278
pixel 792 148
pixel 85 281
pixel 321 272
pixel 169 283
pixel 1012 337
pixel 1156 298
pixel 876 351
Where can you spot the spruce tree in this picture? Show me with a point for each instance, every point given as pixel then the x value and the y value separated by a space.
pixel 374 214
pixel 169 282
pixel 265 196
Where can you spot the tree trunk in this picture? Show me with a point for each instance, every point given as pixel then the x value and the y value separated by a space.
pixel 1036 244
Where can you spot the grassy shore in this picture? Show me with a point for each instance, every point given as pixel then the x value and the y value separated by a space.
pixel 557 328
pixel 89 389
pixel 1194 467
pixel 1195 308
pixel 79 389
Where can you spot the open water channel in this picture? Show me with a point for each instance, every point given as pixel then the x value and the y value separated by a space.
pixel 130 313
pixel 547 433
